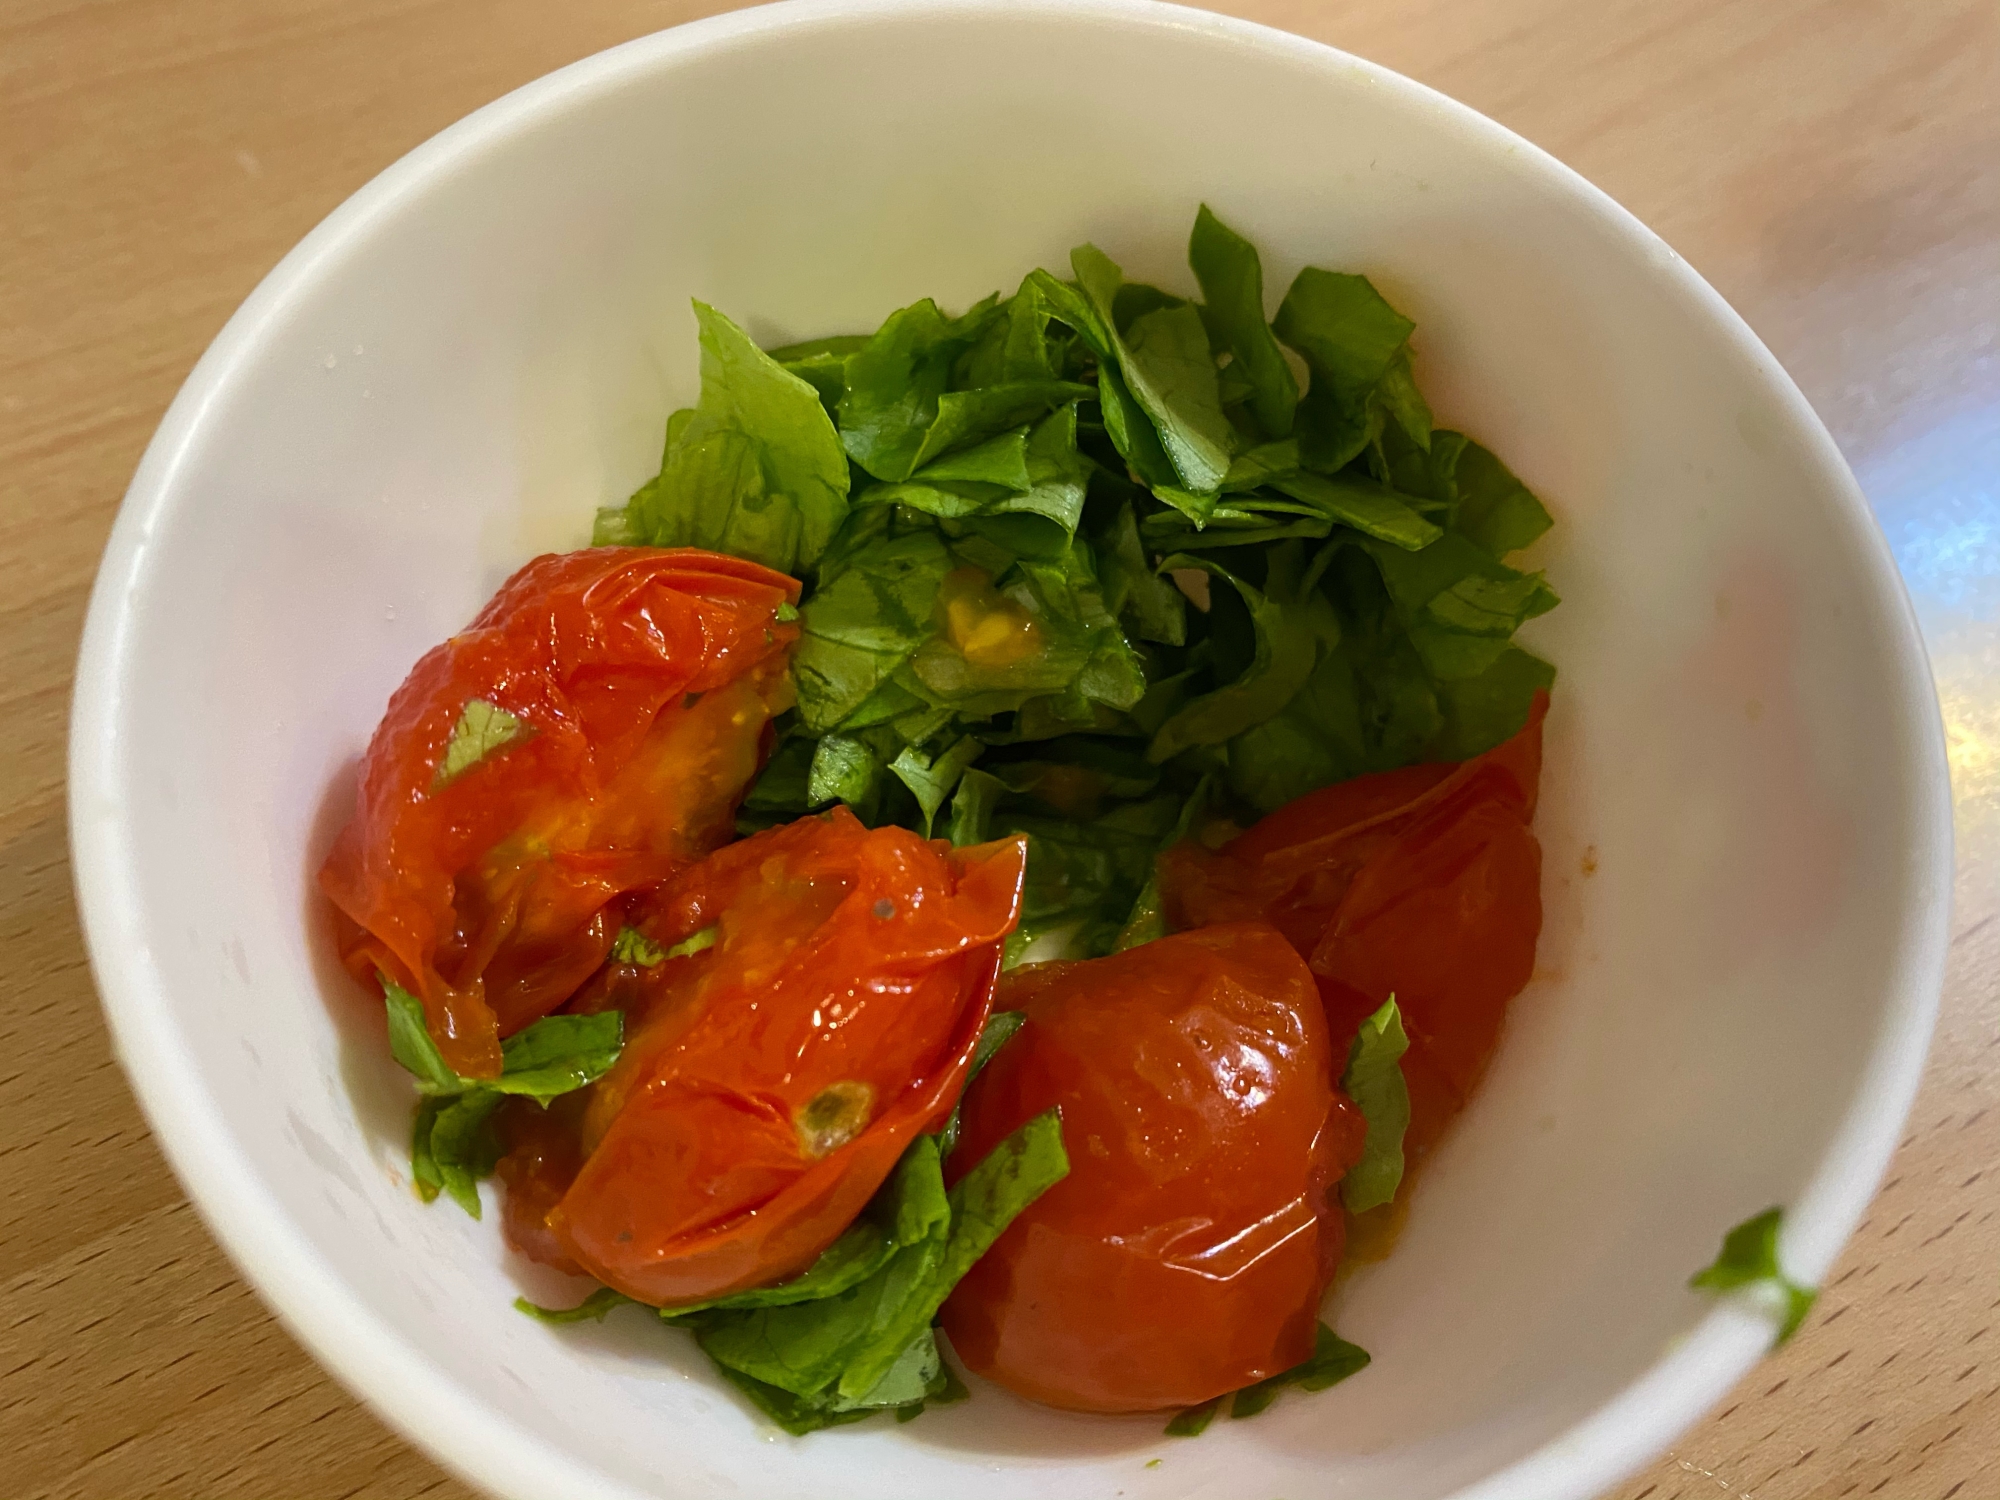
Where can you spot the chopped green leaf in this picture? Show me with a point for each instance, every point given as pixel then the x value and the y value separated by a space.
pixel 699 942
pixel 1374 1081
pixel 972 807
pixel 553 1056
pixel 558 1054
pixel 1333 1359
pixel 1349 338
pixel 1484 711
pixel 1148 605
pixel 591 1309
pixel 1289 620
pixel 1367 507
pixel 460 1149
pixel 411 1045
pixel 1749 1258
pixel 999 1028
pixel 1495 509
pixel 931 779
pixel 482 729
pixel 844 769
pixel 836 1350
pixel 1194 1421
pixel 1232 284
pixel 756 470
pixel 632 946
pixel 1148 920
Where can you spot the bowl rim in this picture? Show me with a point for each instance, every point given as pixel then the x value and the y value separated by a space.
pixel 428 1407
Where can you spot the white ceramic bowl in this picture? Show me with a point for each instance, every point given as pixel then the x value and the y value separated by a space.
pixel 481 346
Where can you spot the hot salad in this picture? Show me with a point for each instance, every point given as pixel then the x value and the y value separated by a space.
pixel 1021 830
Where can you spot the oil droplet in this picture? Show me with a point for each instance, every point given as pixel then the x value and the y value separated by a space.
pixel 987 628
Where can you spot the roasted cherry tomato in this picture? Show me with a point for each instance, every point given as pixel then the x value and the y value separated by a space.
pixel 774 1076
pixel 619 696
pixel 1186 1253
pixel 1424 883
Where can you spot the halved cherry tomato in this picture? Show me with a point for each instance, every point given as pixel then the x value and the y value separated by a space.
pixel 771 1080
pixel 1424 883
pixel 1186 1253
pixel 639 682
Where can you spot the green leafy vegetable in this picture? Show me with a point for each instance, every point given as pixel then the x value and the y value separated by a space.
pixel 756 470
pixel 1374 1081
pixel 852 1350
pixel 1749 1258
pixel 1232 284
pixel 699 942
pixel 632 946
pixel 1288 621
pixel 452 1146
pixel 482 729
pixel 1193 1422
pixel 1333 1359
pixel 1349 338
pixel 591 1310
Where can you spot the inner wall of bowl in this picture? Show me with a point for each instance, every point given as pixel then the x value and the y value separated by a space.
pixel 470 374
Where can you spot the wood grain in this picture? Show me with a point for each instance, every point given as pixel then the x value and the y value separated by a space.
pixel 1833 166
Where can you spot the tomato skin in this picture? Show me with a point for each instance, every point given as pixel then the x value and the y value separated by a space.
pixel 1424 883
pixel 1187 1252
pixel 487 895
pixel 850 977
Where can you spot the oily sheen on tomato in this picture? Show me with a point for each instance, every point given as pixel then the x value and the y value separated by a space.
pixel 772 1078
pixel 1423 883
pixel 588 734
pixel 1188 1249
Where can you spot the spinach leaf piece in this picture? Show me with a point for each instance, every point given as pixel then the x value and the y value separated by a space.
pixel 1193 1422
pixel 1349 337
pixel 893 418
pixel 452 1145
pixel 1232 287
pixel 482 728
pixel 1148 605
pixel 932 778
pixel 972 807
pixel 1156 382
pixel 1289 618
pixel 1374 1081
pixel 1148 920
pixel 1459 605
pixel 1495 510
pixel 699 942
pixel 1749 1258
pixel 1333 1359
pixel 1369 508
pixel 591 1309
pixel 865 623
pixel 756 470
pixel 632 946
pixel 835 1352
pixel 995 1034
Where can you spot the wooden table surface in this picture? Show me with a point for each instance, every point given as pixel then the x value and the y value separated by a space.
pixel 1832 166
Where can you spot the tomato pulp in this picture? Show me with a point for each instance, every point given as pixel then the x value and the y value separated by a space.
pixel 771 1079
pixel 588 734
pixel 1186 1253
pixel 1422 883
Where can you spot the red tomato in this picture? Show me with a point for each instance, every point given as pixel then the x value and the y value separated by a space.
pixel 643 680
pixel 772 1080
pixel 1424 883
pixel 1186 1253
